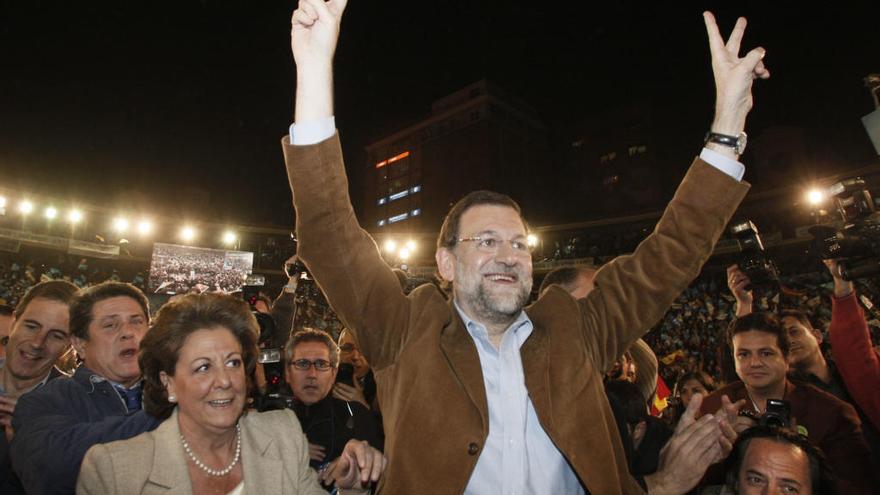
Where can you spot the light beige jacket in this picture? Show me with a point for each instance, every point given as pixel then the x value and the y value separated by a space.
pixel 274 456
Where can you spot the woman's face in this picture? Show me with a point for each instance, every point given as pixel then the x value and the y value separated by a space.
pixel 690 388
pixel 209 381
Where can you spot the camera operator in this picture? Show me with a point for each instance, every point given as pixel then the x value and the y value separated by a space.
pixel 761 349
pixel 859 363
pixel 311 365
pixel 805 358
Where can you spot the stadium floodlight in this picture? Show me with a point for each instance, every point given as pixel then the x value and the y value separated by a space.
pixel 25 207
pixel 74 216
pixel 404 254
pixel 229 238
pixel 50 213
pixel 815 196
pixel 411 246
pixel 532 240
pixel 390 246
pixel 187 233
pixel 145 227
pixel 120 224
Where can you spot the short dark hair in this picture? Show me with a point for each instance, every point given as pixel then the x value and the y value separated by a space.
pixel 564 276
pixel 174 323
pixel 54 290
pixel 6 310
pixel 705 380
pixel 761 321
pixel 312 335
pixel 449 232
pixel 798 315
pixel 821 478
pixel 81 305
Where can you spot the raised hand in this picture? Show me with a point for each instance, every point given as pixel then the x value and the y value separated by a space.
pixel 841 287
pixel 737 281
pixel 734 76
pixel 314 31
pixel 313 34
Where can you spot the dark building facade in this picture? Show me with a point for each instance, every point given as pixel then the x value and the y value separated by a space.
pixel 477 138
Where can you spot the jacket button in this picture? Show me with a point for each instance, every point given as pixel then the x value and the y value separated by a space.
pixel 473 448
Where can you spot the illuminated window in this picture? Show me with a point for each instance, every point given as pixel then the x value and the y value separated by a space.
pixel 398 218
pixel 398 195
pixel 392 159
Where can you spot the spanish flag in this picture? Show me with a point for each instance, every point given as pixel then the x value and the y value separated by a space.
pixel 660 397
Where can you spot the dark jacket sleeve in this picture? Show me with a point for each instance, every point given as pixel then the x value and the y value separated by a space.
pixel 51 439
pixel 858 363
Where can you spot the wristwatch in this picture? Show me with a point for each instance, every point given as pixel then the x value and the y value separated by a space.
pixel 738 143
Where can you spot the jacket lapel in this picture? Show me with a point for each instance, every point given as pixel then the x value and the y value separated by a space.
pixel 169 461
pixel 261 463
pixel 461 354
pixel 535 355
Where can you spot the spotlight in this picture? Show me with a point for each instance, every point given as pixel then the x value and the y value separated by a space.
pixel 229 237
pixel 390 246
pixel 532 240
pixel 411 245
pixel 404 254
pixel 815 197
pixel 50 213
pixel 25 207
pixel 145 227
pixel 2 202
pixel 74 216
pixel 187 233
pixel 120 224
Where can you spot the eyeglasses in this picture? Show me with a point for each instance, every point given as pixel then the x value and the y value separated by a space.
pixel 305 364
pixel 491 245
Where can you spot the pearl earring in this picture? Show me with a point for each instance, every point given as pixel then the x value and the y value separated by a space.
pixel 172 399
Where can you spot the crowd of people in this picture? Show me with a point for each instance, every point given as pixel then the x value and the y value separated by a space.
pixel 470 385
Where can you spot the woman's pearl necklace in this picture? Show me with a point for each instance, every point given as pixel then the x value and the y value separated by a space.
pixel 215 472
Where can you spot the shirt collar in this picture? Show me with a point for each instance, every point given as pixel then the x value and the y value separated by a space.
pixel 478 331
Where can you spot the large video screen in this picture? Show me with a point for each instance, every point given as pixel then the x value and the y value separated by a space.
pixel 177 269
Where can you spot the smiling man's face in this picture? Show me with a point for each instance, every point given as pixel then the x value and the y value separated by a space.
pixel 490 285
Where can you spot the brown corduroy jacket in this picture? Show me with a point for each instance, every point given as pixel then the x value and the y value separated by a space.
pixel 426 365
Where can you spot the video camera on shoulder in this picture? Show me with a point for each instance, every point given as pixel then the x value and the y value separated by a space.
pixel 854 237
pixel 753 260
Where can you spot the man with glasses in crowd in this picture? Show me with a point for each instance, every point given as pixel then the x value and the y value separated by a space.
pixel 311 364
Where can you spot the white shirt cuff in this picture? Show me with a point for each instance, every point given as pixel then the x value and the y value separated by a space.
pixel 312 131
pixel 730 167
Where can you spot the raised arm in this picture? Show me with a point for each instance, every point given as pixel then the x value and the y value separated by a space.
pixel 634 291
pixel 734 76
pixel 850 339
pixel 313 34
pixel 341 256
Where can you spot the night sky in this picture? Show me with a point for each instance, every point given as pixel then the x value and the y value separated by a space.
pixel 139 104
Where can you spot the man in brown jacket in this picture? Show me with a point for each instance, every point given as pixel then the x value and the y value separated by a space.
pixel 480 395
